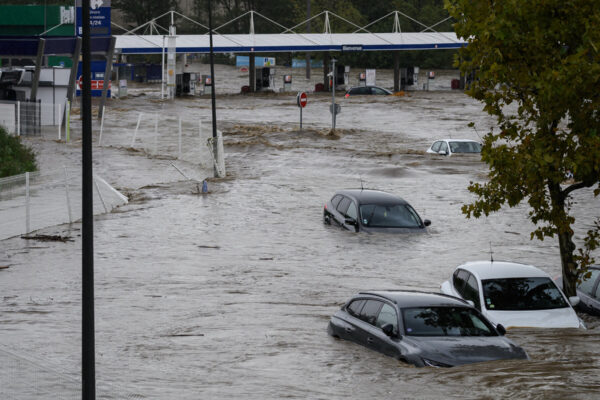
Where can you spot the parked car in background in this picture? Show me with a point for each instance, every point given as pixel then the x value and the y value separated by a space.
pixel 423 329
pixel 372 211
pixel 366 90
pixel 514 295
pixel 448 147
pixel 588 291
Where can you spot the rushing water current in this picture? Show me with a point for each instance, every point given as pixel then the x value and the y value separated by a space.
pixel 228 294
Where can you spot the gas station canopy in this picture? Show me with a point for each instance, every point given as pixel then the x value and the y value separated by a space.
pixel 290 42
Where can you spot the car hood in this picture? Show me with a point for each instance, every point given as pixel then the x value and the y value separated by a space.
pixel 392 230
pixel 553 318
pixel 466 350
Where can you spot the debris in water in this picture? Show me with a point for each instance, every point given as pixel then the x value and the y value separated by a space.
pixel 4 266
pixel 204 246
pixel 49 238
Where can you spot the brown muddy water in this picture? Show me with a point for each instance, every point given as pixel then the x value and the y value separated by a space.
pixel 228 295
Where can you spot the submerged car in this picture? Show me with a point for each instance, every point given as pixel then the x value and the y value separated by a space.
pixel 366 90
pixel 372 211
pixel 423 329
pixel 588 291
pixel 447 147
pixel 514 295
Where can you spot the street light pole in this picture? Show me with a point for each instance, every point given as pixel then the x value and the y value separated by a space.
pixel 88 356
pixel 212 92
pixel 333 60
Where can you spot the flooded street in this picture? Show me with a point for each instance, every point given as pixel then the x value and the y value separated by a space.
pixel 228 294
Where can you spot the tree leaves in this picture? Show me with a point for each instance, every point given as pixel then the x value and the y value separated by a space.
pixel 541 55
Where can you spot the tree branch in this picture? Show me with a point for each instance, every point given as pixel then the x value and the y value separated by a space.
pixel 576 186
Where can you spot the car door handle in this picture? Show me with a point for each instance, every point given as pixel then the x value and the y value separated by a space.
pixel 370 340
pixel 349 330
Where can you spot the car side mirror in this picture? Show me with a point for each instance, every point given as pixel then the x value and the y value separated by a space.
pixel 427 222
pixel 574 300
pixel 388 329
pixel 443 152
pixel 501 329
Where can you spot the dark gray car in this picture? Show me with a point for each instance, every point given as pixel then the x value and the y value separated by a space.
pixel 588 291
pixel 423 329
pixel 372 211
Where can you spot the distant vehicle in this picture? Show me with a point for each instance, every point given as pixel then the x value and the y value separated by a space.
pixel 423 329
pixel 372 211
pixel 588 291
pixel 447 147
pixel 366 90
pixel 514 295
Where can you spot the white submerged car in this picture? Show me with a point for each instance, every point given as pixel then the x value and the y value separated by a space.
pixel 447 147
pixel 513 295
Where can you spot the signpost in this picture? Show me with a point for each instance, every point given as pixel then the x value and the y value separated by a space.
pixel 301 100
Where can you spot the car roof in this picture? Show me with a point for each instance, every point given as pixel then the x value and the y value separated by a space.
pixel 457 140
pixel 502 269
pixel 409 298
pixel 371 196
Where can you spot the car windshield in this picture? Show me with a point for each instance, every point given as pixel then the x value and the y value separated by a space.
pixel 465 147
pixel 389 216
pixel 445 321
pixel 519 294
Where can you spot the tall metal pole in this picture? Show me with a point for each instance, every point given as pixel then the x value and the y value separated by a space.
pixel 308 31
pixel 88 361
pixel 333 60
pixel 212 93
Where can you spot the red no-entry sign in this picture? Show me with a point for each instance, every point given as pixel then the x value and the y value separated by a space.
pixel 302 99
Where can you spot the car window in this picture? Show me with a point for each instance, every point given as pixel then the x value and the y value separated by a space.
pixel 459 279
pixel 354 91
pixel 465 147
pixel 587 286
pixel 376 90
pixel 388 216
pixel 351 212
pixel 597 295
pixel 343 205
pixel 471 291
pixel 445 321
pixel 364 90
pixel 436 146
pixel 387 315
pixel 370 311
pixel 518 294
pixel 444 147
pixel 355 307
pixel 336 200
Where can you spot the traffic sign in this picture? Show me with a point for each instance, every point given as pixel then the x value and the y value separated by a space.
pixel 301 99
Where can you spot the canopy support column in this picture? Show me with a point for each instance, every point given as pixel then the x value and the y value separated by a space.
pixel 396 71
pixel 252 73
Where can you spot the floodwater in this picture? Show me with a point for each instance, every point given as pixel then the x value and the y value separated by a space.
pixel 228 294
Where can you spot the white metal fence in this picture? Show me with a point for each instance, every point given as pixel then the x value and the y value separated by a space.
pixel 37 200
pixel 166 136
pixel 29 118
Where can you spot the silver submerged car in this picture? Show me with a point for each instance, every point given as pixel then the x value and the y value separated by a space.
pixel 423 329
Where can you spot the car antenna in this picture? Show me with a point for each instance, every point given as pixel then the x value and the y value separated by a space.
pixel 476 132
pixel 361 183
pixel 491 253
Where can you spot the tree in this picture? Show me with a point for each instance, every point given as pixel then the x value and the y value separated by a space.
pixel 537 68
pixel 142 11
